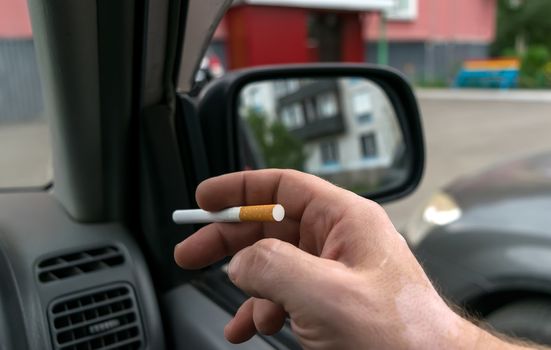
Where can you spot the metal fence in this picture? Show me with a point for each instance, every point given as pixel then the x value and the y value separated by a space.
pixel 20 91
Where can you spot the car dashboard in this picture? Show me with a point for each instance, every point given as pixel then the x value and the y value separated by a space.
pixel 69 286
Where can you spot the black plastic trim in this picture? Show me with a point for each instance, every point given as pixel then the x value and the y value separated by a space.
pixel 56 330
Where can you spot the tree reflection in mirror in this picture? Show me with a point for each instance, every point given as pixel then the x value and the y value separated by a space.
pixel 344 130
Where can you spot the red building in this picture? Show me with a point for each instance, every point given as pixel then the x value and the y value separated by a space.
pixel 426 39
pixel 260 32
pixel 429 39
pixel 14 19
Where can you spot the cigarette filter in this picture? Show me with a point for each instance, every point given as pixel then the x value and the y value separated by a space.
pixel 259 213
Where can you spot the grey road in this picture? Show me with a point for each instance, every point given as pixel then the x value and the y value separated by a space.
pixel 466 131
pixel 25 154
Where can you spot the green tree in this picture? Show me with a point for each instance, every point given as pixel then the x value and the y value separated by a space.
pixel 524 22
pixel 533 68
pixel 523 29
pixel 279 147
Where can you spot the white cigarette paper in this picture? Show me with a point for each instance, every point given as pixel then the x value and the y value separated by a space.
pixel 259 213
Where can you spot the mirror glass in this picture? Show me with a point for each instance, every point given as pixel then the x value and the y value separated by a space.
pixel 342 129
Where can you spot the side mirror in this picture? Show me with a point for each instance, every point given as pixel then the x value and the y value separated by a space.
pixel 357 126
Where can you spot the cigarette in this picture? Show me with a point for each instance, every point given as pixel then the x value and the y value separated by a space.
pixel 258 213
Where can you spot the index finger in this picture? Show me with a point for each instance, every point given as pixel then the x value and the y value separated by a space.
pixel 292 189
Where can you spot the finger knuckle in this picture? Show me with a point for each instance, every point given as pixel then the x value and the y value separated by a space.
pixel 267 245
pixel 263 323
pixel 375 207
pixel 372 207
pixel 263 254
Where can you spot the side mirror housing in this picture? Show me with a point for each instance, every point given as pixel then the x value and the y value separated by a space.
pixel 355 125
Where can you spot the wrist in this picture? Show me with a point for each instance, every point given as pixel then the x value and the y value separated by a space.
pixel 432 324
pixel 451 331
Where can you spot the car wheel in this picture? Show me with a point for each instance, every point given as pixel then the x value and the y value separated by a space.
pixel 526 319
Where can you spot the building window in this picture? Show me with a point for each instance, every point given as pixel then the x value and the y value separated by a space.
pixel 368 144
pixel 286 87
pixel 362 107
pixel 329 153
pixel 292 117
pixel 280 88
pixel 354 81
pixel 327 105
pixel 255 99
pixel 310 110
pixel 292 86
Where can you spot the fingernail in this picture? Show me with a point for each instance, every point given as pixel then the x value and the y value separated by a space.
pixel 181 243
pixel 177 246
pixel 234 267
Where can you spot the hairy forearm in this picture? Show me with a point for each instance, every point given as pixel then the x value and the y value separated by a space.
pixel 485 339
pixel 490 341
pixel 451 328
pixel 483 335
pixel 500 341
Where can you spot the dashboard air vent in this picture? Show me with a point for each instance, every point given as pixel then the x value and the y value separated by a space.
pixel 68 265
pixel 106 318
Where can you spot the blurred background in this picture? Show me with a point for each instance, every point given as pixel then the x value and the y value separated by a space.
pixel 481 69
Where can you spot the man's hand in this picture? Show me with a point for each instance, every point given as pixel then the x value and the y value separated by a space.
pixel 336 266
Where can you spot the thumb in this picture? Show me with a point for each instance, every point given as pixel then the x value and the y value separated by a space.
pixel 276 270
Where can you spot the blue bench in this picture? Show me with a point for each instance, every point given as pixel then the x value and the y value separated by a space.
pixel 496 74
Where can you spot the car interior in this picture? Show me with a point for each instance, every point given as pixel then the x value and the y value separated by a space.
pixel 86 261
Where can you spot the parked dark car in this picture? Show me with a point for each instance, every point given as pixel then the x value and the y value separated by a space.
pixel 486 242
